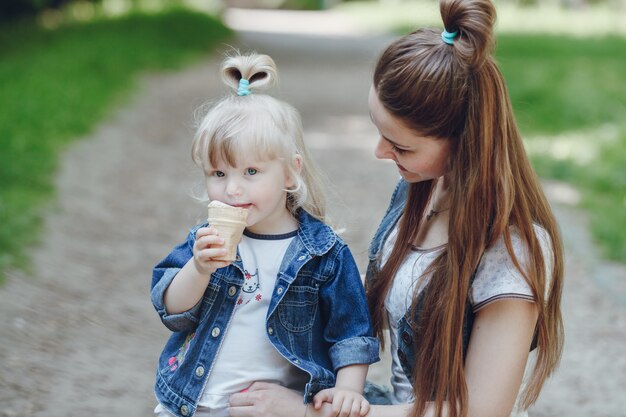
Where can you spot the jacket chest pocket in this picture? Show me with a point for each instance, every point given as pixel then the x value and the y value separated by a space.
pixel 208 300
pixel 298 307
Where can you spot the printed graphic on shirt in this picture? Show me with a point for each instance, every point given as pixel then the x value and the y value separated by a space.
pixel 175 361
pixel 251 289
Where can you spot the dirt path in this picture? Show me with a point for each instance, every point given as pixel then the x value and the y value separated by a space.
pixel 79 336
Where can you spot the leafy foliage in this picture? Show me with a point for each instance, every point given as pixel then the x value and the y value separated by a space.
pixel 57 84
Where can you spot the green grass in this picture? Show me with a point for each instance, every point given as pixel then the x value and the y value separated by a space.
pixel 57 84
pixel 566 74
pixel 560 84
pixel 569 95
pixel 547 17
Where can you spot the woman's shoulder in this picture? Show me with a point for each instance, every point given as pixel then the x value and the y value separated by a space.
pixel 499 275
pixel 519 245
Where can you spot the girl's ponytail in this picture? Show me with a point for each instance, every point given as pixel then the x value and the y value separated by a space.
pixel 259 70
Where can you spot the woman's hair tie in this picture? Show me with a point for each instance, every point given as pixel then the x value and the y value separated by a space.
pixel 244 87
pixel 448 37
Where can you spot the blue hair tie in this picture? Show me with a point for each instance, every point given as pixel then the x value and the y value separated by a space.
pixel 243 89
pixel 448 37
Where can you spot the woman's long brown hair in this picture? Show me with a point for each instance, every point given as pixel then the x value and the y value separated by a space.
pixel 457 92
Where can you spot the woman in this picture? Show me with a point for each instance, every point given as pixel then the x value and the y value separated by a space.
pixel 466 268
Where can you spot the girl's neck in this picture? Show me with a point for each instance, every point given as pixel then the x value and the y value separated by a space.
pixel 280 223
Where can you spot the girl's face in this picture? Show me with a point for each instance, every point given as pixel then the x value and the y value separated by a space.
pixel 258 186
pixel 418 158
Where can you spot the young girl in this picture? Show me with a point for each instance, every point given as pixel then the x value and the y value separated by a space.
pixel 291 308
pixel 466 267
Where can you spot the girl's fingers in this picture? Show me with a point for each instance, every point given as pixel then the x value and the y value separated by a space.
pixel 207 241
pixel 355 411
pixel 365 408
pixel 211 230
pixel 321 397
pixel 338 401
pixel 210 253
pixel 346 408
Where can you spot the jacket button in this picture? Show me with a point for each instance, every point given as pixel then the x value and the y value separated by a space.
pixel 297 362
pixel 215 332
pixel 199 371
pixel 184 410
pixel 232 290
pixel 401 356
pixel 301 258
pixel 406 338
pixel 279 290
pixel 270 330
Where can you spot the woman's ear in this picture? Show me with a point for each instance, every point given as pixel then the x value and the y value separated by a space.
pixel 296 167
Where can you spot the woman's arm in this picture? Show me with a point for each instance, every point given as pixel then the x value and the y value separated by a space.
pixel 400 410
pixel 496 359
pixel 497 354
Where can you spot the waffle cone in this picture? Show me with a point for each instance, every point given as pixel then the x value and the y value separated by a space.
pixel 229 222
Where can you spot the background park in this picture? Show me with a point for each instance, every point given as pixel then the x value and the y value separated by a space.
pixel 97 104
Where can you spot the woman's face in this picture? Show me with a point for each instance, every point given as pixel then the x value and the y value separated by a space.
pixel 418 158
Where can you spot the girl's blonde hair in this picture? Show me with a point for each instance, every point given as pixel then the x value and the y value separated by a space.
pixel 258 127
pixel 456 91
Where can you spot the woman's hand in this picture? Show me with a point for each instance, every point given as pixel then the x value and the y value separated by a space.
pixel 264 399
pixel 208 245
pixel 345 403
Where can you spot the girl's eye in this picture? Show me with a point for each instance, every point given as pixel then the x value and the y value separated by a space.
pixel 218 174
pixel 251 171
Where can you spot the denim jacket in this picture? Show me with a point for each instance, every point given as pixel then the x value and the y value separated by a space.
pixel 407 325
pixel 317 318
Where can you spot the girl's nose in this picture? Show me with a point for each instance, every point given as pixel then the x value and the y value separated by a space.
pixel 233 188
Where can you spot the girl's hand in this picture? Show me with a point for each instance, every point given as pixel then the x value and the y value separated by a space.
pixel 208 245
pixel 345 403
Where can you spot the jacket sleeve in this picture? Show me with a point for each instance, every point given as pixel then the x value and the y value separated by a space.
pixel 344 306
pixel 162 276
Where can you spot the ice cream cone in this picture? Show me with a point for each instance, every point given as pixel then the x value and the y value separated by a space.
pixel 229 222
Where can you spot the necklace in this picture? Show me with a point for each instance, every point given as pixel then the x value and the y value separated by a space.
pixel 432 213
pixel 439 197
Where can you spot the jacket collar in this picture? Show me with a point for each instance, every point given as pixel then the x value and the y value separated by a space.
pixel 391 217
pixel 316 236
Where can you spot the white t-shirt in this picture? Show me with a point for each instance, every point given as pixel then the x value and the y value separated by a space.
pixel 496 278
pixel 246 354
